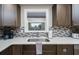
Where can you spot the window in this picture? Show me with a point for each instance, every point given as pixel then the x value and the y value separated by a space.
pixel 36 20
pixel 36 26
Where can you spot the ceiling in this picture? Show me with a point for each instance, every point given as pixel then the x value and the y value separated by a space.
pixel 35 4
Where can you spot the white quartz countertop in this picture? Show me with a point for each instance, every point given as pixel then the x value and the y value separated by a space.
pixel 23 40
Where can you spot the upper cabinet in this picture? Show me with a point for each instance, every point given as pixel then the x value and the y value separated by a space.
pixel 0 15
pixel 10 15
pixel 75 14
pixel 62 15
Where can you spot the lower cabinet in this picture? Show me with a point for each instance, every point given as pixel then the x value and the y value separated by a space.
pixel 17 49
pixel 47 49
pixel 29 50
pixel 65 49
pixel 76 49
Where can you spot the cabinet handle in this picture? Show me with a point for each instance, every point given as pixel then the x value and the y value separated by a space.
pixel 65 50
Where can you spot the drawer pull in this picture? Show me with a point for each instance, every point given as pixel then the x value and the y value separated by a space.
pixel 64 50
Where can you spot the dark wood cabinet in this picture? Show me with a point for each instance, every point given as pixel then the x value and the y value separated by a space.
pixel 76 49
pixel 65 49
pixel 29 50
pixel 17 49
pixel 49 49
pixel 62 15
pixel 0 15
pixel 12 50
pixel 9 15
pixel 46 50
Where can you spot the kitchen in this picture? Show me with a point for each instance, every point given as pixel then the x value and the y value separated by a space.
pixel 50 28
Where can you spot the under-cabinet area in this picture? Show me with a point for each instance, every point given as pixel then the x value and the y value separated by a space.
pixel 66 49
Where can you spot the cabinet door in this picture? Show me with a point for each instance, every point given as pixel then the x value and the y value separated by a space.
pixel 65 49
pixel 76 49
pixel 49 49
pixel 17 49
pixel 10 14
pixel 0 15
pixel 63 15
pixel 29 50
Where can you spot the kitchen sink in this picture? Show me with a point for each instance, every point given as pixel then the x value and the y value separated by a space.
pixel 38 40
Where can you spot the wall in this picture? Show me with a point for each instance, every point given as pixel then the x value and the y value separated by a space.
pixel 75 14
pixel 36 7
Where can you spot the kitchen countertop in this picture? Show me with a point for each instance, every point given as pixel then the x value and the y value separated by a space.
pixel 23 40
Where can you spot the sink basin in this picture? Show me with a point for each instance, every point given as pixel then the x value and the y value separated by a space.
pixel 38 40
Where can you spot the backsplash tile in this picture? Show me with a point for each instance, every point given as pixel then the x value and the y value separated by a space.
pixel 32 34
pixel 43 34
pixel 56 32
pixel 60 32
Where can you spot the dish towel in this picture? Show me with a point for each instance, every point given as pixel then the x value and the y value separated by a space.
pixel 38 48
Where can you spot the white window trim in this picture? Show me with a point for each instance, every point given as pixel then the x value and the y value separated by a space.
pixel 36 10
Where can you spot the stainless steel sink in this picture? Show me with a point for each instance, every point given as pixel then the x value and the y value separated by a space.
pixel 38 40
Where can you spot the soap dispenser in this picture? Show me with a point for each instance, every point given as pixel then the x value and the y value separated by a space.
pixel 50 32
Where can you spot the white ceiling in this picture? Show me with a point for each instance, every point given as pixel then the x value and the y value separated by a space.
pixel 36 4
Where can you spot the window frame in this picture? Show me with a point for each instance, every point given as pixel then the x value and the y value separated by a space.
pixel 36 10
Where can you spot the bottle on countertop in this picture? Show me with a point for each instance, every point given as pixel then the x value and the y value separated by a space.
pixel 50 32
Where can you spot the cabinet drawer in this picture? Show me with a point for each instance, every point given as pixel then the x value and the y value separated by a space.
pixel 65 49
pixel 49 53
pixel 29 48
pixel 29 53
pixel 49 48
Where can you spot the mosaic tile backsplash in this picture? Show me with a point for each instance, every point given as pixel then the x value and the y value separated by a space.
pixel 60 32
pixel 32 34
pixel 56 32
